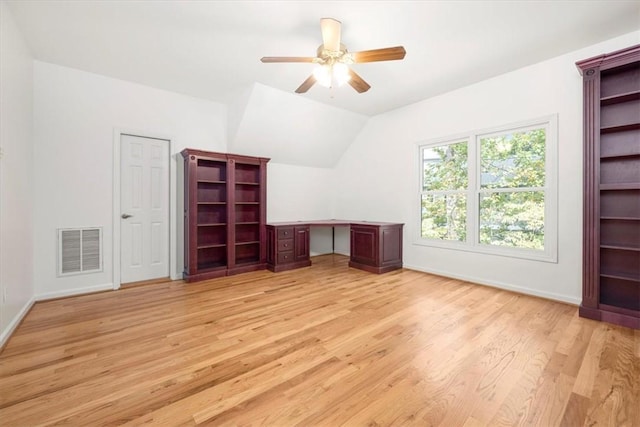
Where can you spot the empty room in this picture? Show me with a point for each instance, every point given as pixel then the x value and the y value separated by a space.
pixel 319 213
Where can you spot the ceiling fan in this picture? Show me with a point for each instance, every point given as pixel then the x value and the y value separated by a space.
pixel 333 60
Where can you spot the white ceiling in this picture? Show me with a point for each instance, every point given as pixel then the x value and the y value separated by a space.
pixel 211 49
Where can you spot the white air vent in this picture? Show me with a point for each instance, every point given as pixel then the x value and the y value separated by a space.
pixel 79 250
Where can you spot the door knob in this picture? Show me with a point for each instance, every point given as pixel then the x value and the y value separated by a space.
pixel 125 216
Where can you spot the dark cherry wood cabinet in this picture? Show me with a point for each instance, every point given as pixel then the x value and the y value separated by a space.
pixel 611 237
pixel 224 214
pixel 301 245
pixel 375 246
pixel 288 247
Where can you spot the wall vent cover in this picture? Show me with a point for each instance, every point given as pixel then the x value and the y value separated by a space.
pixel 79 250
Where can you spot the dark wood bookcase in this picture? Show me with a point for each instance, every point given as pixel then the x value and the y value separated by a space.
pixel 611 237
pixel 224 214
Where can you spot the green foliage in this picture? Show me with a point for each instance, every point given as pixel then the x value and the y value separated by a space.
pixel 445 167
pixel 507 218
pixel 513 160
pixel 444 216
pixel 512 219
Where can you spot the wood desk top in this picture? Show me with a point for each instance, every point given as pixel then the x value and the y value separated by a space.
pixel 330 223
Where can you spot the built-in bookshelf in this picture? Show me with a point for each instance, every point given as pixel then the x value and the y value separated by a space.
pixel 225 214
pixel 611 269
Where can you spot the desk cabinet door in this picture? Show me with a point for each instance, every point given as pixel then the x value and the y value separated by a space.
pixel 365 244
pixel 301 244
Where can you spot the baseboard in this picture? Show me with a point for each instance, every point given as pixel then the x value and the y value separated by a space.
pixel 312 254
pixel 6 334
pixel 521 290
pixel 74 292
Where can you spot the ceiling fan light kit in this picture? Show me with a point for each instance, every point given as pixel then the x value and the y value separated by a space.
pixel 328 75
pixel 333 60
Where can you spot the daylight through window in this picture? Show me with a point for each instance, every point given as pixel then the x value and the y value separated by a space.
pixel 492 191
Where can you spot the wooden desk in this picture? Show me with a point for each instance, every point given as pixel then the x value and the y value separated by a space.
pixel 375 246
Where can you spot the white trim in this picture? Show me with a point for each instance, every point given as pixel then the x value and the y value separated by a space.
pixel 11 327
pixel 75 291
pixel 499 285
pixel 550 189
pixel 173 227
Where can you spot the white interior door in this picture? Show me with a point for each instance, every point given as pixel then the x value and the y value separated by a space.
pixel 144 205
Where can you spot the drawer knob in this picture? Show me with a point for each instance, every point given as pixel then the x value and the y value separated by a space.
pixel 286 245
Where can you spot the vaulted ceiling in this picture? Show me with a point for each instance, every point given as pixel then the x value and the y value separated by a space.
pixel 211 50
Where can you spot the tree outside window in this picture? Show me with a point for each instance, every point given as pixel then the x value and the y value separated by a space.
pixel 444 192
pixel 492 191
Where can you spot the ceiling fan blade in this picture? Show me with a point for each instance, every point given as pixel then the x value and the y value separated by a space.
pixel 330 34
pixel 306 85
pixel 386 54
pixel 287 59
pixel 357 82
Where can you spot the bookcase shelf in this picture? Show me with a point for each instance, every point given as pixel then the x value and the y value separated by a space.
pixel 619 218
pixel 619 156
pixel 611 234
pixel 619 128
pixel 225 214
pixel 206 181
pixel 620 186
pixel 620 98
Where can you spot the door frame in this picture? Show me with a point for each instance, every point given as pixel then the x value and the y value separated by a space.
pixel 172 254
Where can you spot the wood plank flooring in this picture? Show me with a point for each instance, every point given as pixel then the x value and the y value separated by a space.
pixel 320 346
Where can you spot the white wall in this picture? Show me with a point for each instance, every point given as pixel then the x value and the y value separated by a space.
pixel 298 193
pixel 378 175
pixel 291 128
pixel 75 116
pixel 16 175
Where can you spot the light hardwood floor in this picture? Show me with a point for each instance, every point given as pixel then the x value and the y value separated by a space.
pixel 321 346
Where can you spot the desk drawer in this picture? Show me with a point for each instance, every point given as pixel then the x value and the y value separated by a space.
pixel 285 233
pixel 285 257
pixel 285 245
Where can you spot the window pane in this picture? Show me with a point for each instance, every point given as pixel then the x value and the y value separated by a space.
pixel 512 219
pixel 444 216
pixel 445 167
pixel 513 160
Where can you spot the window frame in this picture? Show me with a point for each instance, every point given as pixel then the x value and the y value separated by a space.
pixel 474 191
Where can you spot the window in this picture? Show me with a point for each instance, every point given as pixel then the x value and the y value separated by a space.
pixel 492 191
pixel 444 191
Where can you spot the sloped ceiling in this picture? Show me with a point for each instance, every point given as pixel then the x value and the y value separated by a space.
pixel 291 129
pixel 211 50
